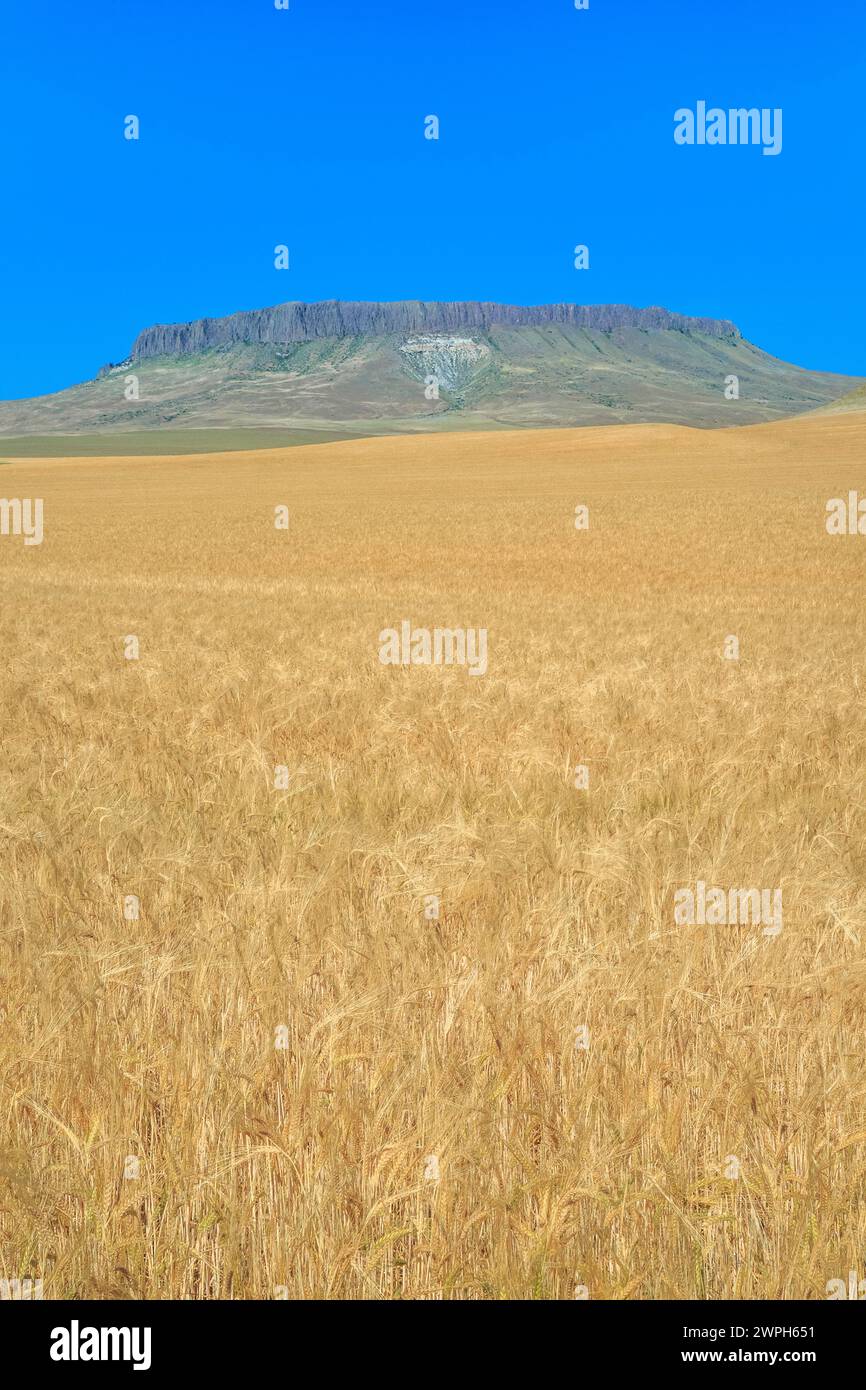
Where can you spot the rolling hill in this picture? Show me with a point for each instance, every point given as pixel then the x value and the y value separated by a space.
pixel 350 368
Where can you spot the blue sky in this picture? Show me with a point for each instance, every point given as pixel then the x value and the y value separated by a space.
pixel 305 127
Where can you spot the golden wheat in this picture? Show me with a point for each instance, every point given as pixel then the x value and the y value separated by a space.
pixel 417 1045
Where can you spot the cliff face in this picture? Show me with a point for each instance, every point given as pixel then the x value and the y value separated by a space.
pixel 380 368
pixel 297 323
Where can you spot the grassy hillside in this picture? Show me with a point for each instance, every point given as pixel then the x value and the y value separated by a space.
pixel 852 400
pixel 547 376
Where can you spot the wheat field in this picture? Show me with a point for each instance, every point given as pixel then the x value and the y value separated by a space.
pixel 287 1076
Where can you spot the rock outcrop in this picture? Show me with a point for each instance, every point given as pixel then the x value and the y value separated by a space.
pixel 370 369
pixel 298 323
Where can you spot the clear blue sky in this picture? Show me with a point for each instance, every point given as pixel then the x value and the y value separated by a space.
pixel 305 127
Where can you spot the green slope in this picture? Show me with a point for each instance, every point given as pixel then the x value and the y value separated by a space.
pixel 505 377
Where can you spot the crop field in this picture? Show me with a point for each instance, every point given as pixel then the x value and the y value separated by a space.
pixel 327 978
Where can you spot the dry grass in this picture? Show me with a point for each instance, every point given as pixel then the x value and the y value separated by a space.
pixel 305 1168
